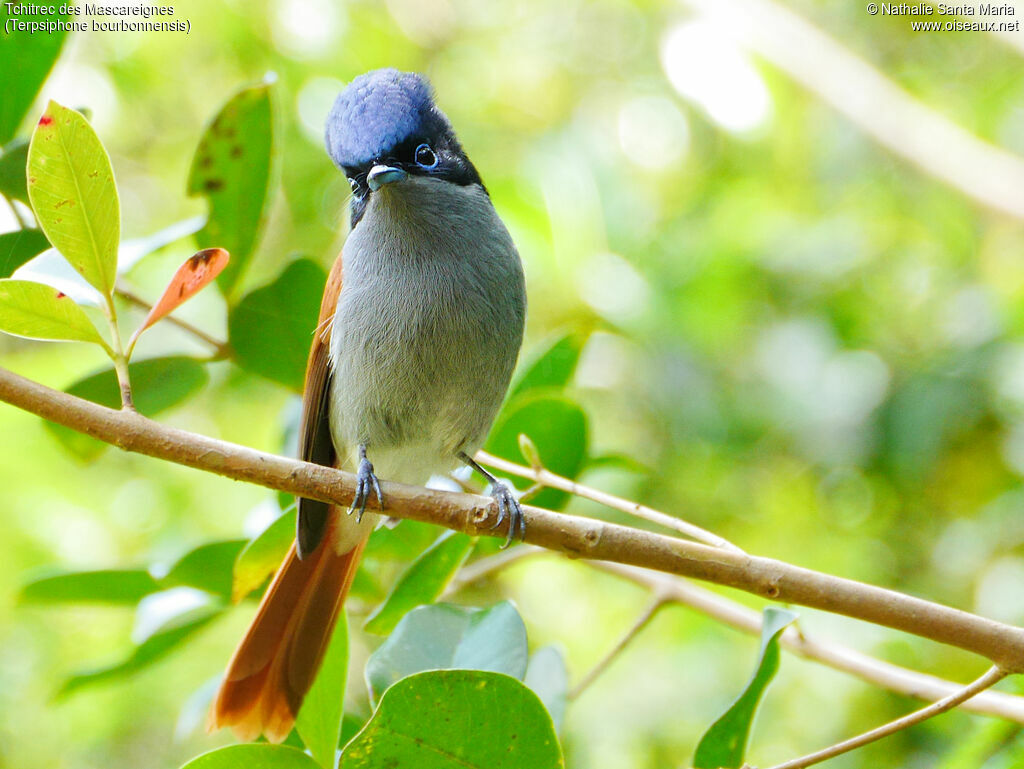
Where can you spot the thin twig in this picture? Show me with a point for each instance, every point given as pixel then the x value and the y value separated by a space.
pixel 570 535
pixel 991 677
pixel 910 683
pixel 642 621
pixel 221 349
pixel 548 478
pixel 477 570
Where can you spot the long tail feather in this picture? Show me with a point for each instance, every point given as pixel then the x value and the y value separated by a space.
pixel 277 660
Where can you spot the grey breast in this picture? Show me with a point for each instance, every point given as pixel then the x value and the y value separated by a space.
pixel 429 321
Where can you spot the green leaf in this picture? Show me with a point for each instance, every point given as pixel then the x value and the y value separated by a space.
pixel 552 366
pixel 350 726
pixel 158 384
pixel 36 311
pixel 18 247
pixel 443 636
pixel 557 427
pixel 71 186
pixel 495 640
pixel 13 179
pixel 155 647
pixel 232 170
pixel 725 743
pixel 253 756
pixel 319 720
pixel 262 555
pixel 547 676
pixel 424 580
pixel 31 57
pixel 117 586
pixel 457 719
pixel 271 329
pixel 208 567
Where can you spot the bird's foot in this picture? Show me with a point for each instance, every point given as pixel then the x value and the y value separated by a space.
pixel 508 507
pixel 366 483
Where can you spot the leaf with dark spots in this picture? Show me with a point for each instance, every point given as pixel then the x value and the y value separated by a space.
pixel 37 311
pixel 67 162
pixel 456 719
pixel 236 184
pixel 197 271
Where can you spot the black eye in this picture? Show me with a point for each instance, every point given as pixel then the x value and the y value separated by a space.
pixel 354 185
pixel 425 157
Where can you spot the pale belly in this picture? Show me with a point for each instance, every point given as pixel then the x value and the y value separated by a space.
pixel 416 388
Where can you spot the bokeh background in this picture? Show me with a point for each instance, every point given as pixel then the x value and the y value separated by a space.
pixel 794 235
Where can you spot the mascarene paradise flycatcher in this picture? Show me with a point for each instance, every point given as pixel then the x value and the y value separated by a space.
pixel 420 326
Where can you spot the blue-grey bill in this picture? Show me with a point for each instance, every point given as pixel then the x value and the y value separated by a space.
pixel 381 175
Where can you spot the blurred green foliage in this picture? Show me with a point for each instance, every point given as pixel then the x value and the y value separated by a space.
pixel 803 344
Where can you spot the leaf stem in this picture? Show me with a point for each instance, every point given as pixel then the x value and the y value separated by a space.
pixel 992 676
pixel 221 349
pixel 119 357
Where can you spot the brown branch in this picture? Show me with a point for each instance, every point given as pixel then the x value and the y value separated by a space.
pixel 871 669
pixel 571 535
pixel 991 677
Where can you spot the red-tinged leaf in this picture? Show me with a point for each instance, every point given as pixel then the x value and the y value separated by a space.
pixel 198 270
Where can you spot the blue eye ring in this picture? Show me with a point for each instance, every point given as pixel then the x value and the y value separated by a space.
pixel 425 157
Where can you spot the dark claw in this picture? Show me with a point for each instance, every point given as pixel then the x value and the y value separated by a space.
pixel 366 484
pixel 508 507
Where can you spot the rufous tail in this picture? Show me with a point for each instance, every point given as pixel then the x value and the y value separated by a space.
pixel 277 660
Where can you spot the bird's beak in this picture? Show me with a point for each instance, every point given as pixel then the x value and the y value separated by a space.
pixel 380 175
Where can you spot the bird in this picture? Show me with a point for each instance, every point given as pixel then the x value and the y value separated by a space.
pixel 420 327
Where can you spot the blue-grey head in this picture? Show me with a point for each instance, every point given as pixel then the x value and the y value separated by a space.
pixel 385 127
